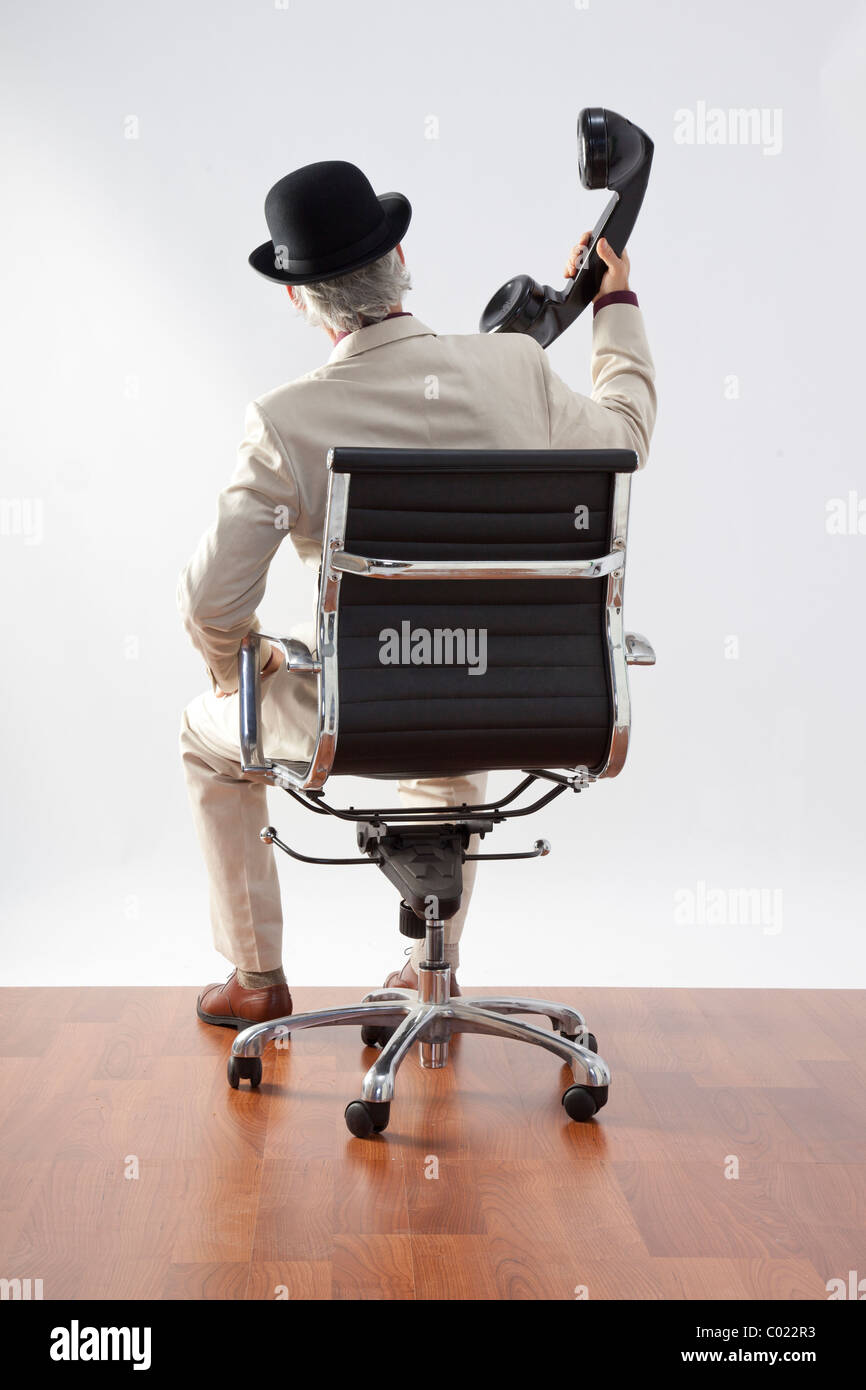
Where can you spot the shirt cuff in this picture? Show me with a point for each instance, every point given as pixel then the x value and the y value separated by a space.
pixel 615 297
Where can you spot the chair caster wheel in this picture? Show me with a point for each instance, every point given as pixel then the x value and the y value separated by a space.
pixel 366 1117
pixel 375 1034
pixel 582 1102
pixel 244 1069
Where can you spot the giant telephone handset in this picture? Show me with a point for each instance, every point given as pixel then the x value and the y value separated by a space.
pixel 612 153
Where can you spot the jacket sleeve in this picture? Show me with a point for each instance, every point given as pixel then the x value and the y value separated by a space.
pixel 621 412
pixel 223 584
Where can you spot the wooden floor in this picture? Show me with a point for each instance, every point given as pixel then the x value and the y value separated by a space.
pixel 241 1194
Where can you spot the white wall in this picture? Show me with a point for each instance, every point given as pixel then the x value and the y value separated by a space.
pixel 135 333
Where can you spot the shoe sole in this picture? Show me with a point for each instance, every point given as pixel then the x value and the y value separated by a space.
pixel 224 1020
pixel 229 1020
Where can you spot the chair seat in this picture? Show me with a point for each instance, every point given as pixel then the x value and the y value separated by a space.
pixel 301 768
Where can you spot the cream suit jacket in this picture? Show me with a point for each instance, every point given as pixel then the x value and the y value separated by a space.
pixel 397 383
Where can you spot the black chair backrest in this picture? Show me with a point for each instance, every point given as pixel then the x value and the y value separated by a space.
pixel 546 697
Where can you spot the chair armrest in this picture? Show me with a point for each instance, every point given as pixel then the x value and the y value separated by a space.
pixel 249 702
pixel 298 658
pixel 638 651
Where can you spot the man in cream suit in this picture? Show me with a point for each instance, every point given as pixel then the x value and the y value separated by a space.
pixel 337 247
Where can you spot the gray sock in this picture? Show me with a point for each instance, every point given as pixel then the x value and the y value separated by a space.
pixel 451 953
pixel 261 979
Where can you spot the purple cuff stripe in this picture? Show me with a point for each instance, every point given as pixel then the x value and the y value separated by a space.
pixel 615 297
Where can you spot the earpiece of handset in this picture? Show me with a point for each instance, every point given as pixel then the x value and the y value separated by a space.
pixel 592 147
pixel 611 151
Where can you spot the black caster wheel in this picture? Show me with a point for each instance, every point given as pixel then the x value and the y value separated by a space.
pixel 244 1069
pixel 366 1117
pixel 582 1102
pixel 376 1034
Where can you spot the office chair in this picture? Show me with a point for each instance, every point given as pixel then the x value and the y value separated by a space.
pixel 422 549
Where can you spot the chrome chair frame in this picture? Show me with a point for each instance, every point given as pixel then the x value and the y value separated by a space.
pixel 429 1018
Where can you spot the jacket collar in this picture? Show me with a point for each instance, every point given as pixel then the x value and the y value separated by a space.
pixel 375 334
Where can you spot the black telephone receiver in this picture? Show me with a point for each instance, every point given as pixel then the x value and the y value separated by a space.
pixel 611 153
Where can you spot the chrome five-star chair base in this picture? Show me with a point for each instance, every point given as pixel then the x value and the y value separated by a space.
pixel 395 1019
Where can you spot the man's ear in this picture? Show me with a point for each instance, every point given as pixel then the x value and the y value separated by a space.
pixel 291 296
pixel 400 252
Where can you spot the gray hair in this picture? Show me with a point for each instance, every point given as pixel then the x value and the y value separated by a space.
pixel 362 296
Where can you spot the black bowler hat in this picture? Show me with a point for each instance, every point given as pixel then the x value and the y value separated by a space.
pixel 324 221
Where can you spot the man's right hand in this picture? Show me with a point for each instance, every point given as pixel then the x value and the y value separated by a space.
pixel 615 276
pixel 272 665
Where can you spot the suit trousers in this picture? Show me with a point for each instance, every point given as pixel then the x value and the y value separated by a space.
pixel 229 809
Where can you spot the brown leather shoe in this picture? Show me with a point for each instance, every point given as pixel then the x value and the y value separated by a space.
pixel 407 978
pixel 231 1006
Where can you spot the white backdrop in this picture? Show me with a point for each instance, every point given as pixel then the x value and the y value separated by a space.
pixel 139 142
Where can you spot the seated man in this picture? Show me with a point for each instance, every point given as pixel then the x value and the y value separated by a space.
pixel 389 381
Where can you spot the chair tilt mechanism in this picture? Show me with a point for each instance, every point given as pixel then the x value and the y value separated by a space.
pixel 479 552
